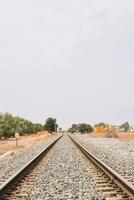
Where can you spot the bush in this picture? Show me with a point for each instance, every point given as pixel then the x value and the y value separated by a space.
pixel 9 125
pixel 82 128
pixel 111 133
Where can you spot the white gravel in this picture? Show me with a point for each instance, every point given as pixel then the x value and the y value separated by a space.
pixel 64 176
pixel 14 162
pixel 116 153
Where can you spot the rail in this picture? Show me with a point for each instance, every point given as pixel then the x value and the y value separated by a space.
pixel 15 178
pixel 113 175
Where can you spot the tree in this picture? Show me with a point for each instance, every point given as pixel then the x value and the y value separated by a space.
pixel 101 124
pixel 85 128
pixel 38 127
pixel 82 128
pixel 125 126
pixel 101 127
pixel 73 129
pixel 51 125
pixel 9 125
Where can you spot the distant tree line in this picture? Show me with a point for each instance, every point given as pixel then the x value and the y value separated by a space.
pixel 9 125
pixel 81 128
pixel 99 128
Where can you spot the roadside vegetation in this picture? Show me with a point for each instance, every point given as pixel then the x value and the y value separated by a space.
pixel 107 129
pixel 125 127
pixel 81 128
pixel 9 125
pixel 51 125
pixel 110 131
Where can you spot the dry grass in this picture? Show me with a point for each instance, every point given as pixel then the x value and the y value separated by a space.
pixel 99 135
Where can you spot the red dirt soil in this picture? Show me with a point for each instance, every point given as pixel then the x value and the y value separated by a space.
pixel 126 136
pixel 24 141
pixel 121 135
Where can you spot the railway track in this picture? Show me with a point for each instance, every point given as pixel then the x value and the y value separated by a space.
pixel 126 189
pixel 9 184
pixel 63 171
pixel 119 155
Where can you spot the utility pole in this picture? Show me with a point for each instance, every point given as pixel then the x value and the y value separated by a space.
pixel 17 138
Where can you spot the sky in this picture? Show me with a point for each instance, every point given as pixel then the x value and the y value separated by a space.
pixel 69 59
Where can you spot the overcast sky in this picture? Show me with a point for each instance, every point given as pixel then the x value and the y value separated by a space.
pixel 69 59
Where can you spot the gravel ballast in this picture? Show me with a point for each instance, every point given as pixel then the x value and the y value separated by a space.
pixel 118 154
pixel 64 176
pixel 14 162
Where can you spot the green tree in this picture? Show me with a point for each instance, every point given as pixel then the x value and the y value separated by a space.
pixel 85 128
pixel 125 126
pixel 7 125
pixel 51 125
pixel 73 129
pixel 82 128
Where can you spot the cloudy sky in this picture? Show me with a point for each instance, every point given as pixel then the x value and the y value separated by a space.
pixel 70 59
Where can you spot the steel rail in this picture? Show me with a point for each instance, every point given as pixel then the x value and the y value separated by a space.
pixel 112 174
pixel 21 173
